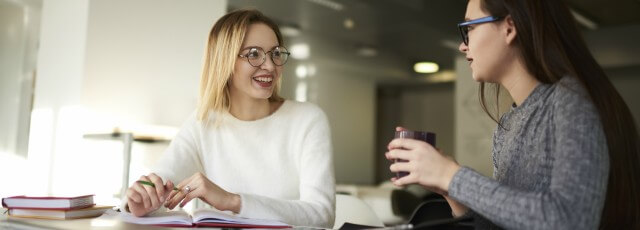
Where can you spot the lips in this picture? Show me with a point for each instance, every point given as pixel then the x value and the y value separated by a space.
pixel 264 81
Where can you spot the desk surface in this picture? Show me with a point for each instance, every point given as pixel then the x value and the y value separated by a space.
pixel 7 222
pixel 103 223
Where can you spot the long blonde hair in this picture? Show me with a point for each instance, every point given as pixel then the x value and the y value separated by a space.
pixel 223 47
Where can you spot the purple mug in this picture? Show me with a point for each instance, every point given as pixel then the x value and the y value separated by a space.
pixel 418 135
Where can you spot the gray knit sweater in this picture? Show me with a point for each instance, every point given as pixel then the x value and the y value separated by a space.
pixel 551 165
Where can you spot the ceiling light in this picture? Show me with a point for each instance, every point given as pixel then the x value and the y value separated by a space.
pixel 301 71
pixel 583 20
pixel 349 23
pixel 290 30
pixel 300 51
pixel 367 51
pixel 329 4
pixel 426 67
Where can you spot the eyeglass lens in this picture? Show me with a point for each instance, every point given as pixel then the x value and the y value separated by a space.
pixel 257 56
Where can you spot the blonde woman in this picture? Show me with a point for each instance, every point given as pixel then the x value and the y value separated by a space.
pixel 246 149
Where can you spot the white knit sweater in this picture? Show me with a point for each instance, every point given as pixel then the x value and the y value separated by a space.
pixel 281 165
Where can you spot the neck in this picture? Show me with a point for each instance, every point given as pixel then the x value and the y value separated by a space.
pixel 249 109
pixel 519 82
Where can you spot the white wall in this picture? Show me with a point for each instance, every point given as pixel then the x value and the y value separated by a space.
pixel 348 99
pixel 431 109
pixel 344 86
pixel 136 62
pixel 57 91
pixel 416 106
pixel 19 33
pixel 144 59
pixel 473 128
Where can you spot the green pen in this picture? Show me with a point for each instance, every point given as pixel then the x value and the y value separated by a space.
pixel 153 185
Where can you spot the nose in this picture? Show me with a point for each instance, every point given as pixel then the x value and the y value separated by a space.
pixel 463 47
pixel 268 64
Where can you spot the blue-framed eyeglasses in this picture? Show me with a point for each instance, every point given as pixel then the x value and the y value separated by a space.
pixel 464 27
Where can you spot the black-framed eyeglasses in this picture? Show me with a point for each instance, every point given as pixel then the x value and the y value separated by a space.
pixel 464 26
pixel 256 55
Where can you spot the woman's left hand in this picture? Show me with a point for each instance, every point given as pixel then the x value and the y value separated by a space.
pixel 426 165
pixel 199 186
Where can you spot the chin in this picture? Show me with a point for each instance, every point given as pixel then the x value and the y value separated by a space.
pixel 477 78
pixel 481 78
pixel 262 96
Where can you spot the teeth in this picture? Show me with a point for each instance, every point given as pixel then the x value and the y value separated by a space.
pixel 263 79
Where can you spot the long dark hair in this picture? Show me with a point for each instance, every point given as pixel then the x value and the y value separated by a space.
pixel 552 47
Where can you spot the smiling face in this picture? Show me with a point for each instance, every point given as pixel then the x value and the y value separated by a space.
pixel 488 51
pixel 256 82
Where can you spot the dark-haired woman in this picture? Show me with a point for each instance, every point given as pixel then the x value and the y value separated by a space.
pixel 565 155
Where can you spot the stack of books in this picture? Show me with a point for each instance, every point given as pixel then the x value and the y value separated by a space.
pixel 62 208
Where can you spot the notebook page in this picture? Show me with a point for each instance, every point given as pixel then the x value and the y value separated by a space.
pixel 215 216
pixel 160 218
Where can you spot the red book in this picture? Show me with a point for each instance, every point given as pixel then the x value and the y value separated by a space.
pixel 49 203
pixel 59 214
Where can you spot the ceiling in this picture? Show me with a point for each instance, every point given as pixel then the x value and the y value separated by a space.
pixel 411 30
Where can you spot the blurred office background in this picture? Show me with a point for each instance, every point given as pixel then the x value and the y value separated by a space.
pixel 72 70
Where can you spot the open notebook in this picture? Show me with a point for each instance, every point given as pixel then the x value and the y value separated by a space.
pixel 203 218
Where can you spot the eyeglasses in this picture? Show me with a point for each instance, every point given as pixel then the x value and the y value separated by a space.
pixel 256 55
pixel 464 27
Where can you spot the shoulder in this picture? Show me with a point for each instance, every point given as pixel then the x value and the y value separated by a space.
pixel 194 124
pixel 569 91
pixel 303 110
pixel 571 101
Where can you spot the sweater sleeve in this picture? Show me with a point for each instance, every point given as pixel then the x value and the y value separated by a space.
pixel 576 194
pixel 316 206
pixel 180 160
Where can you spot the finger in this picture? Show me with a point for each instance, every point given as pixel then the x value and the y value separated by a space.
pixel 399 154
pixel 168 188
pixel 188 197
pixel 155 179
pixel 401 167
pixel 400 128
pixel 146 200
pixel 151 191
pixel 186 182
pixel 406 143
pixel 175 200
pixel 133 195
pixel 172 194
pixel 405 180
pixel 177 196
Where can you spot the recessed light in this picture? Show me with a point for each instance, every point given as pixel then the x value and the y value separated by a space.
pixel 349 23
pixel 300 51
pixel 426 67
pixel 290 30
pixel 367 51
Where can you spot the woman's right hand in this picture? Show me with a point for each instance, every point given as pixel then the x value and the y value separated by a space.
pixel 143 199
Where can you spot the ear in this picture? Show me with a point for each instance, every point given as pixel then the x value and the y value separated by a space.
pixel 509 29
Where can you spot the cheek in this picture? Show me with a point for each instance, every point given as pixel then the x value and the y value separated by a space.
pixel 242 72
pixel 487 58
pixel 278 72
